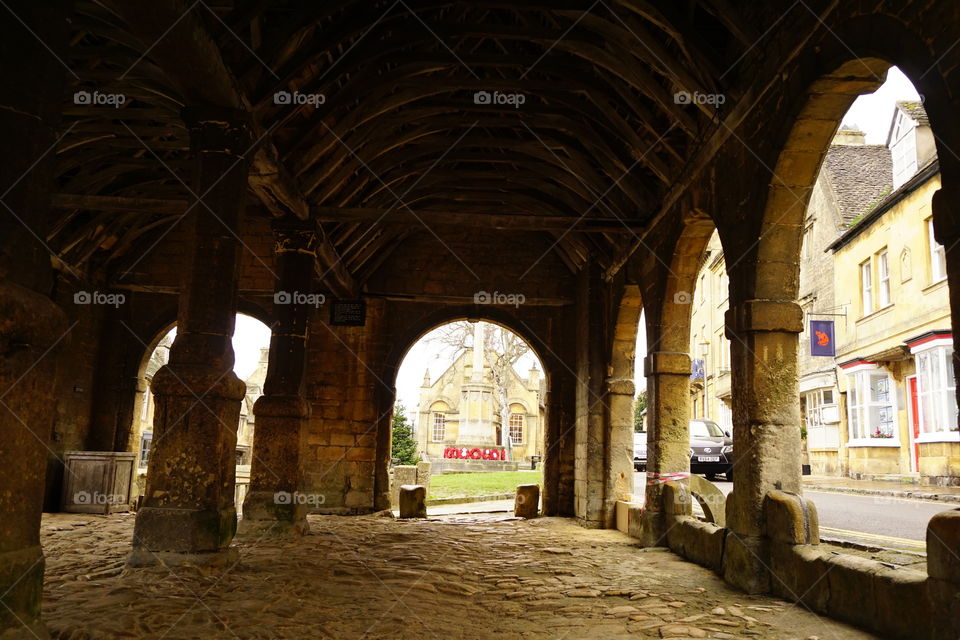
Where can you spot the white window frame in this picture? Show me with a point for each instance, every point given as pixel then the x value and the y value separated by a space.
pixel 866 287
pixel 514 417
pixel 883 279
pixel 820 434
pixel 937 255
pixel 725 416
pixel 942 393
pixel 438 426
pixel 858 386
pixel 146 446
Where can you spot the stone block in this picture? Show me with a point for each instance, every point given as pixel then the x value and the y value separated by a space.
pixel 342 439
pixel 635 520
pixel 798 574
pixel 405 474
pixel 852 594
pixel 666 362
pixel 745 562
pixel 527 501
pixel 700 542
pixel 424 470
pixel 413 501
pixel 361 454
pixel 790 518
pixel 896 588
pixel 622 516
pixel 943 546
pixel 944 599
pixel 358 499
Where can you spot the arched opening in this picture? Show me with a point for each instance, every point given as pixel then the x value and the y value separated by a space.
pixel 711 399
pixel 850 239
pixel 251 345
pixel 472 396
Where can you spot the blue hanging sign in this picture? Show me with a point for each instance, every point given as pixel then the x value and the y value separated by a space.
pixel 696 369
pixel 821 338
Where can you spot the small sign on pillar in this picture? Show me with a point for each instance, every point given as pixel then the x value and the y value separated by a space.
pixel 348 313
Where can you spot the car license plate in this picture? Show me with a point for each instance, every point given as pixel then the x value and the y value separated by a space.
pixel 708 458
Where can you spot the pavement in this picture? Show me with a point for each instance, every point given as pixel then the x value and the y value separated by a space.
pixel 861 514
pixel 476 577
pixel 882 488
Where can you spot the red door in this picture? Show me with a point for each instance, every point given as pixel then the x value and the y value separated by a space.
pixel 915 422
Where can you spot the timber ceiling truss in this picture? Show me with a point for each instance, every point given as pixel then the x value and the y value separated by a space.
pixel 379 118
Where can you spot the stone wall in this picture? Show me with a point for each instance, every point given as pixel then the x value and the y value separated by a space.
pixel 864 592
pixel 342 387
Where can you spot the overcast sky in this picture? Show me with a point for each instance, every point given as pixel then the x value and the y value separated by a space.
pixel 871 113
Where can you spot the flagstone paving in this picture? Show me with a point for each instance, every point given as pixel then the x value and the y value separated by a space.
pixel 472 576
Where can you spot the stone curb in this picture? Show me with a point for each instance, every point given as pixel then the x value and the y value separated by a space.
pixel 850 544
pixel 436 502
pixel 890 493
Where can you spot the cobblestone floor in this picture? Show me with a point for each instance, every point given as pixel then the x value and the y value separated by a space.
pixel 469 576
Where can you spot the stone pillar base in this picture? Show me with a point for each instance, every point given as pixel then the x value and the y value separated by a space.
pixel 225 558
pixel 653 529
pixel 20 609
pixel 183 531
pixel 746 561
pixel 273 515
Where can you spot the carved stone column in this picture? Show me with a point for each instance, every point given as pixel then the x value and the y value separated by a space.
pixel 274 504
pixel 766 429
pixel 188 513
pixel 668 435
pixel 32 327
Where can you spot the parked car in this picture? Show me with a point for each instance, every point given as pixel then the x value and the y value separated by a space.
pixel 640 451
pixel 711 450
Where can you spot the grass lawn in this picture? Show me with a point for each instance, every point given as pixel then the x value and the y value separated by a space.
pixel 448 485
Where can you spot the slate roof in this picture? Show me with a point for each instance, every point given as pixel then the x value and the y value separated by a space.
pixel 860 175
pixel 914 109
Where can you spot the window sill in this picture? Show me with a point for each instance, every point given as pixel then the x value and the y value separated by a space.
pixel 933 286
pixel 873 314
pixel 874 442
pixel 939 436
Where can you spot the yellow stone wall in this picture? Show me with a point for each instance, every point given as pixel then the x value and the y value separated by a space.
pixel 918 304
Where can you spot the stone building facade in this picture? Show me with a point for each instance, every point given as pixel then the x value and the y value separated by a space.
pixel 894 347
pixel 460 421
pixel 711 396
pixel 870 265
pixel 854 177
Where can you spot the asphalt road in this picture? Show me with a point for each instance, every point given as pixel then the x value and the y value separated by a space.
pixel 876 520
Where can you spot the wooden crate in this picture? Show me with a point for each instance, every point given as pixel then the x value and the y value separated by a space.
pixel 97 481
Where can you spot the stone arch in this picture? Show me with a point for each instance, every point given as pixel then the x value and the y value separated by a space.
pixel 523 404
pixel 400 347
pixel 851 60
pixel 161 325
pixel 417 330
pixel 672 327
pixel 625 332
pixel 667 364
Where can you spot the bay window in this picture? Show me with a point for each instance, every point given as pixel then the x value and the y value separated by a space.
pixel 936 389
pixel 871 406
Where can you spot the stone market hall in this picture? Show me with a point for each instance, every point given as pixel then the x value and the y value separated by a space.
pixel 355 174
